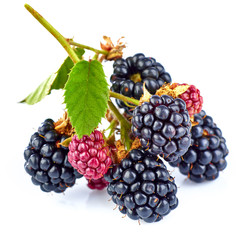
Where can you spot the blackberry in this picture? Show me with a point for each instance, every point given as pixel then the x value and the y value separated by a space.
pixel 142 187
pixel 131 73
pixel 47 162
pixel 163 126
pixel 206 155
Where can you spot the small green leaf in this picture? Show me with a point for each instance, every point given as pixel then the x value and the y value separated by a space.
pixel 55 81
pixel 64 70
pixel 41 91
pixel 86 96
pixel 62 74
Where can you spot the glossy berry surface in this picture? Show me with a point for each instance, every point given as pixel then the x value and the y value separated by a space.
pixel 47 162
pixel 142 187
pixel 131 73
pixel 206 156
pixel 192 98
pixel 163 126
pixel 89 155
pixel 98 184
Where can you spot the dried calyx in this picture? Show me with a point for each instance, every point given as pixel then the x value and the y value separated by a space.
pixel 115 52
pixel 122 152
pixel 64 127
pixel 167 89
pixel 173 90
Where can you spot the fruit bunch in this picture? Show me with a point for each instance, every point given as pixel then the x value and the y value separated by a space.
pixel 161 122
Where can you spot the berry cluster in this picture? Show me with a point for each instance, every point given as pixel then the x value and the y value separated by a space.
pixel 163 126
pixel 155 126
pixel 47 161
pixel 142 187
pixel 131 73
pixel 206 155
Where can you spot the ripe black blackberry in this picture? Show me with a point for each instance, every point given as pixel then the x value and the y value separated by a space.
pixel 47 161
pixel 206 156
pixel 142 187
pixel 163 126
pixel 131 73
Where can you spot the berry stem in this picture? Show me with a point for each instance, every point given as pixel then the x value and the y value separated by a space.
pixel 112 127
pixel 95 57
pixel 116 112
pixel 125 126
pixel 64 43
pixel 71 42
pixel 124 98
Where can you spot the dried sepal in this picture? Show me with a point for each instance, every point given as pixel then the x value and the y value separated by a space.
pixel 173 90
pixel 108 45
pixel 66 142
pixel 122 152
pixel 115 52
pixel 146 95
pixel 63 126
pixel 136 144
pixel 193 122
pixel 205 133
pixel 109 116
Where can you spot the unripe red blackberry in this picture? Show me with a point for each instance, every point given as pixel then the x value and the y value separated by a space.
pixel 47 161
pixel 191 97
pixel 98 184
pixel 89 155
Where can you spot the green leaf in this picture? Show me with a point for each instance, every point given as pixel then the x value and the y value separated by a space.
pixel 86 96
pixel 62 74
pixel 41 91
pixel 64 70
pixel 55 81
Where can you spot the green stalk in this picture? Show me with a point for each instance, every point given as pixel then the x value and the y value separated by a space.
pixel 116 112
pixel 64 43
pixel 125 126
pixel 95 57
pixel 112 127
pixel 124 98
pixel 71 42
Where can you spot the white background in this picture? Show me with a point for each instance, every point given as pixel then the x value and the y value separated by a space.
pixel 196 41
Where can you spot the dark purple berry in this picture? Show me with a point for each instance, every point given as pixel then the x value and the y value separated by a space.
pixel 143 189
pixel 131 73
pixel 206 155
pixel 163 127
pixel 48 163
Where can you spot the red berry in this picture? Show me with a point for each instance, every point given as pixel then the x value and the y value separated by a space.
pixel 98 184
pixel 192 98
pixel 89 155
